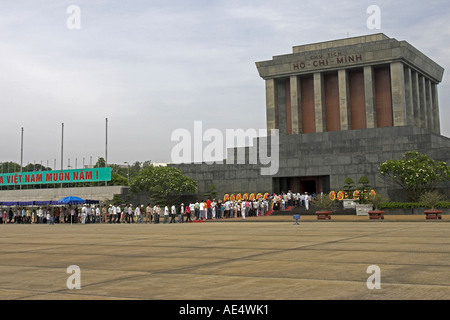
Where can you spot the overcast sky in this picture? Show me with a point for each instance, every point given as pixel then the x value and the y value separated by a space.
pixel 153 66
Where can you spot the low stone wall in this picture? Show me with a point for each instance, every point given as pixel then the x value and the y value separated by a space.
pixel 54 194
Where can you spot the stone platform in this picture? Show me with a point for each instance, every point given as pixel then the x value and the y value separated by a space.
pixel 265 258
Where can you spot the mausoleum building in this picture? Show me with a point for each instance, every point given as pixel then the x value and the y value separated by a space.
pixel 341 108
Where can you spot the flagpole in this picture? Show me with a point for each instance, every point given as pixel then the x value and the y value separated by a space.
pixel 106 148
pixel 21 153
pixel 62 148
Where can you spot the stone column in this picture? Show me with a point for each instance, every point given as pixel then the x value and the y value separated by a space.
pixel 436 117
pixel 429 101
pixel 398 94
pixel 319 103
pixel 344 100
pixel 409 97
pixel 282 104
pixel 369 93
pixel 296 116
pixel 271 105
pixel 416 98
pixel 423 103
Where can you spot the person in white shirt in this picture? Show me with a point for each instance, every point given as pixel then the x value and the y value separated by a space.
pixel 130 214
pixel 214 206
pixel 113 214
pixel 255 208
pixel 173 213
pixel 289 198
pixel 110 213
pixel 40 214
pixel 137 213
pixel 202 210
pixel 156 212
pixel 166 214
pixel 307 199
pixel 243 207
pixel 226 209
pixel 97 214
pixel 119 214
pixel 83 214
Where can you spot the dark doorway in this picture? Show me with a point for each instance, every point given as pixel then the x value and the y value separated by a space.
pixel 309 186
pixel 315 184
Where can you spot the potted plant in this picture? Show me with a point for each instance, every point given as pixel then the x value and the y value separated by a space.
pixel 430 199
pixel 376 199
pixel 325 206
pixel 348 188
pixel 363 206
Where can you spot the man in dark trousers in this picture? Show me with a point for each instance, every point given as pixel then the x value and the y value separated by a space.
pixel 173 213
pixel 180 213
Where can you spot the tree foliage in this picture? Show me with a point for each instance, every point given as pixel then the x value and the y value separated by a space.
pixel 364 189
pixel 349 187
pixel 415 173
pixel 165 184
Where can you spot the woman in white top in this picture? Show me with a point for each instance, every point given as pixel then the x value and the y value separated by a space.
pixel 202 211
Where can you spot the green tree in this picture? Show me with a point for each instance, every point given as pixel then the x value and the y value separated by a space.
pixel 9 167
pixel 364 189
pixel 101 163
pixel 349 187
pixel 165 184
pixel 34 167
pixel 118 180
pixel 415 173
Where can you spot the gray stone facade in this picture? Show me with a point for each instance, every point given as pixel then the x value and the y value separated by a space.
pixel 325 159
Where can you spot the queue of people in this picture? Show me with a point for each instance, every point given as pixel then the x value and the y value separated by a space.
pixel 114 214
pixel 292 199
pixel 194 211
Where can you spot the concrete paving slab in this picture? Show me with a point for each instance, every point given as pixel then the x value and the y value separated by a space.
pixel 268 259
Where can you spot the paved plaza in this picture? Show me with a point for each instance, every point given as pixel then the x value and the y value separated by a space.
pixel 269 258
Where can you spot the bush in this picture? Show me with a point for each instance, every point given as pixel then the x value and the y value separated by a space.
pixel 432 198
pixel 412 205
pixel 378 200
pixel 324 202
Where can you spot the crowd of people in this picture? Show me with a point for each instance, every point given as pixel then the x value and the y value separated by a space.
pixel 193 211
